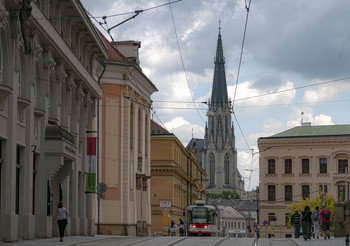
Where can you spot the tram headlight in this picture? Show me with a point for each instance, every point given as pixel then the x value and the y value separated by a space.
pixel 205 226
pixel 194 226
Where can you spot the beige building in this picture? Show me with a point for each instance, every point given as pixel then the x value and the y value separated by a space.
pixel 176 177
pixel 48 98
pixel 294 164
pixel 125 142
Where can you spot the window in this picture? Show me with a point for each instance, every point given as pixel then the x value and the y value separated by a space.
pixel 271 166
pixel 139 132
pixel 271 193
pixel 288 166
pixel 342 164
pixel 323 165
pixel 325 189
pixel 235 225
pixel 305 165
pixel 286 216
pixel 212 168
pixel 227 169
pixel 239 225
pixel 18 169
pixel 341 192
pixel 288 193
pixel 305 191
pixel 271 216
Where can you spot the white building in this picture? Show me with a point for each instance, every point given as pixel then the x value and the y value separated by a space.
pixel 232 223
pixel 48 97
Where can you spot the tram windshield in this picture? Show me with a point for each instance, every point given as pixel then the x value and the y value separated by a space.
pixel 201 215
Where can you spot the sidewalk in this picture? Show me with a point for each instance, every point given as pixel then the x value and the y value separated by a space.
pixel 333 241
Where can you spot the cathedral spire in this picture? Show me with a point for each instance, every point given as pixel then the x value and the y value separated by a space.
pixel 219 91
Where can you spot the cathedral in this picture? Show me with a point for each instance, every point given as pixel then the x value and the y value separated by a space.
pixel 217 153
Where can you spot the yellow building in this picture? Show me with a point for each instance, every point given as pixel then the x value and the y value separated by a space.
pixel 176 177
pixel 295 164
pixel 125 143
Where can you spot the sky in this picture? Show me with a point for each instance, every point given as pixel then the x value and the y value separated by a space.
pixel 295 64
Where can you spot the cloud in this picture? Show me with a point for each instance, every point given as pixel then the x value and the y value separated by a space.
pixel 246 93
pixel 183 129
pixel 321 94
pixel 307 115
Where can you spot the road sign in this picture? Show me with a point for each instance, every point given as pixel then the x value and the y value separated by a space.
pixel 165 204
pixel 265 223
pixel 165 210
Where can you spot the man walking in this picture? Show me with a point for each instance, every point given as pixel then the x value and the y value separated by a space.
pixel 315 218
pixel 296 221
pixel 326 219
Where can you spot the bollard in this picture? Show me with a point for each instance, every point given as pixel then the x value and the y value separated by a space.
pixel 347 240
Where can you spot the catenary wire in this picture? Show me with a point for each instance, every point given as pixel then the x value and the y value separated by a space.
pixel 182 61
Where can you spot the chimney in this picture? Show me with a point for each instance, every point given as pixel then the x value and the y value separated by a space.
pixel 130 49
pixel 306 124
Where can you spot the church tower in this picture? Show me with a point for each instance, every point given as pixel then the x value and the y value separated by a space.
pixel 219 155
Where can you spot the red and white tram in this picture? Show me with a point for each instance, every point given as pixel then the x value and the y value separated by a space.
pixel 201 219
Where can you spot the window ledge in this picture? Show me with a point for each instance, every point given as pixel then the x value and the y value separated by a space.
pixel 271 175
pixel 291 175
pixel 305 174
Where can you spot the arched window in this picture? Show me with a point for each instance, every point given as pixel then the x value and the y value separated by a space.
pixel 212 168
pixel 227 169
pixel 219 122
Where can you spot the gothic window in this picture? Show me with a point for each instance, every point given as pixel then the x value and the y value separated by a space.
pixel 271 166
pixel 323 165
pixel 305 191
pixel 288 193
pixel 271 189
pixel 226 124
pixel 227 169
pixel 305 167
pixel 212 168
pixel 219 122
pixel 288 166
pixel 342 164
pixel 1 65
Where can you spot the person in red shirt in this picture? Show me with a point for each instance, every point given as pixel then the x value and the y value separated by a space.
pixel 326 219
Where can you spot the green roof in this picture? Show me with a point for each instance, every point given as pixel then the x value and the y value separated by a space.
pixel 314 131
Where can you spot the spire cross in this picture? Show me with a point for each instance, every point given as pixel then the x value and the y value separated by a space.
pixel 219 24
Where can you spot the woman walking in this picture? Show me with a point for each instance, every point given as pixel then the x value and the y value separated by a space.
pixel 61 217
pixel 306 223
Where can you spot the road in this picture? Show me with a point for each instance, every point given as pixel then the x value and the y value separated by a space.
pixel 104 240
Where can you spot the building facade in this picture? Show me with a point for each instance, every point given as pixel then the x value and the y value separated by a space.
pixel 48 97
pixel 294 164
pixel 176 177
pixel 125 142
pixel 219 154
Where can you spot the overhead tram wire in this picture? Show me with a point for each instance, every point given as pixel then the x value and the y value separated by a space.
pixel 241 55
pixel 182 62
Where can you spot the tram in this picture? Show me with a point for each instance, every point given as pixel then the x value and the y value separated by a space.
pixel 201 219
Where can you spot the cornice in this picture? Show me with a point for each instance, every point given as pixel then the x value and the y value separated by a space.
pixel 298 142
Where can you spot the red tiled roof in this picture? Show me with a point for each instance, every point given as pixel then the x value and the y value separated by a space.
pixel 157 129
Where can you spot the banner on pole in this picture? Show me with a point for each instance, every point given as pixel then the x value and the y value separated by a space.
pixel 91 164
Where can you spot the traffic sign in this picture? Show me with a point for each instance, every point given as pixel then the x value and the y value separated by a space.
pixel 165 210
pixel 265 223
pixel 165 204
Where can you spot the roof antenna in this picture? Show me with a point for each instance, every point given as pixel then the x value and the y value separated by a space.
pixel 301 120
pixel 192 132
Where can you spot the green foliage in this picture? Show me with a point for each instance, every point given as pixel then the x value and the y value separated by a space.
pixel 312 204
pixel 226 194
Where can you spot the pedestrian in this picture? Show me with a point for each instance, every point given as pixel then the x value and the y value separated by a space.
pixel 315 218
pixel 296 220
pixel 306 221
pixel 181 227
pixel 173 228
pixel 326 219
pixel 61 217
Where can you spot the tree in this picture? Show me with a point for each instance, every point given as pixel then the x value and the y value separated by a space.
pixel 226 194
pixel 317 201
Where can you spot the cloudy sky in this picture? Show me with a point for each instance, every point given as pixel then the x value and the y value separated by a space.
pixel 296 59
